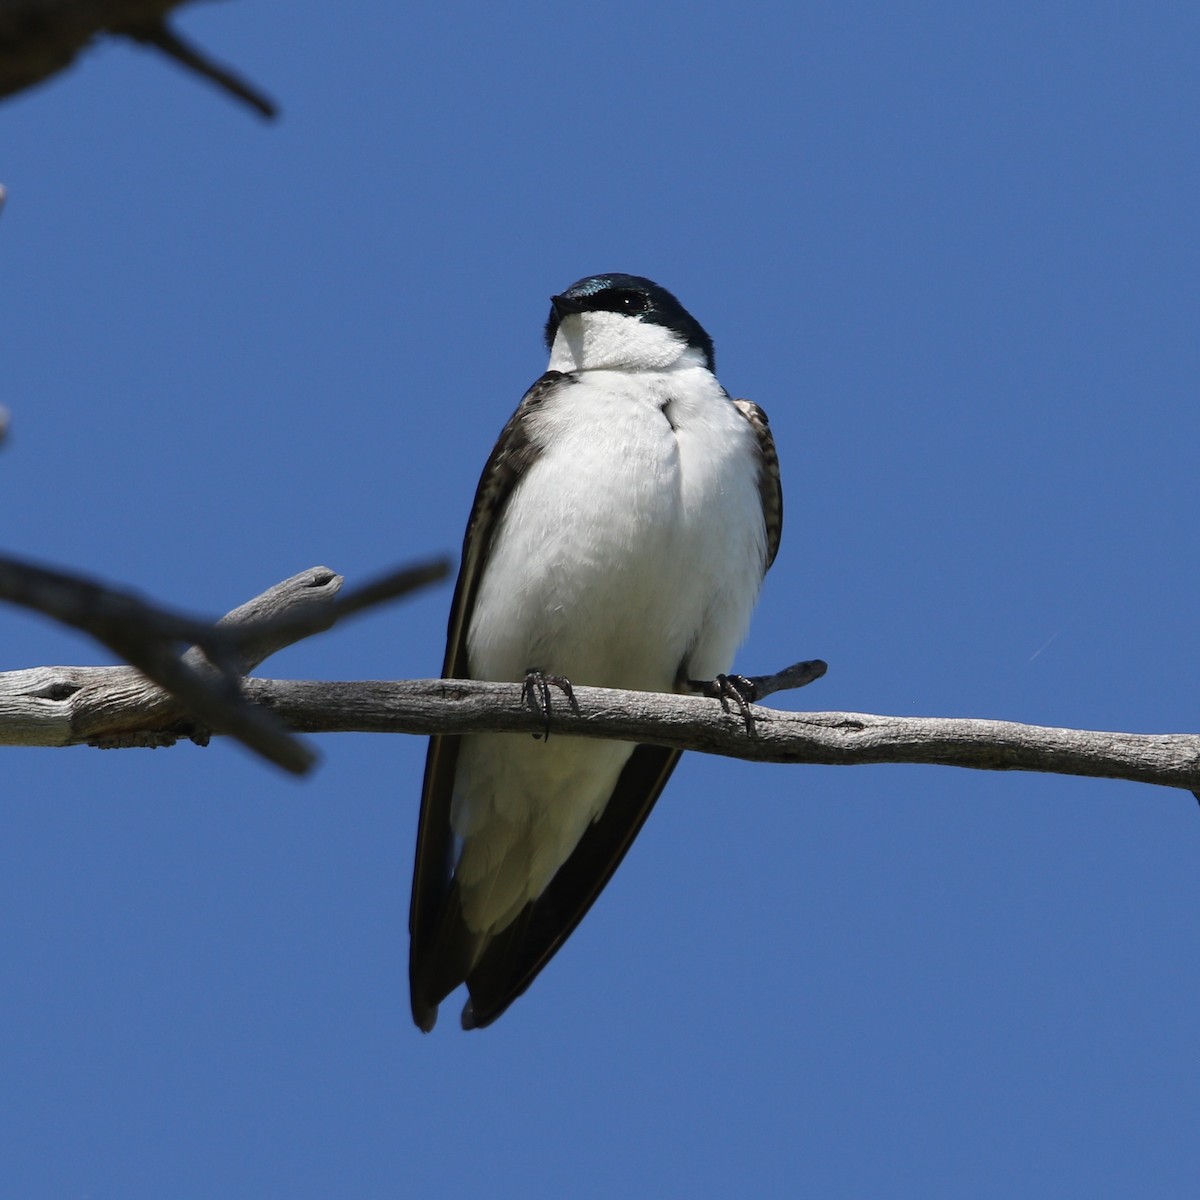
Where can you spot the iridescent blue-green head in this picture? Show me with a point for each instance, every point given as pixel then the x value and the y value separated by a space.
pixel 617 321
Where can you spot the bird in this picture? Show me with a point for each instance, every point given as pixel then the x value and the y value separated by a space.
pixel 618 538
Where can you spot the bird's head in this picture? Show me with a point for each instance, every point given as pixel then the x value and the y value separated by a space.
pixel 622 322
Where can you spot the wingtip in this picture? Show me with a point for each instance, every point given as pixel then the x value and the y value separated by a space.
pixel 424 1016
pixel 472 1019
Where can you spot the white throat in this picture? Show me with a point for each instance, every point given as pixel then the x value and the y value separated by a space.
pixel 606 341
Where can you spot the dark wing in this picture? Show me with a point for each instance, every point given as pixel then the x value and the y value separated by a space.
pixel 512 960
pixel 514 957
pixel 435 952
pixel 769 484
pixel 442 950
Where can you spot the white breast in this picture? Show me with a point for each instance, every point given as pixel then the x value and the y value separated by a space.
pixel 630 555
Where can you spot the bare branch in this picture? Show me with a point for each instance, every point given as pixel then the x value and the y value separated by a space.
pixel 149 637
pixel 38 38
pixel 189 56
pixel 258 631
pixel 203 687
pixel 798 675
pixel 301 605
pixel 696 723
pixel 61 706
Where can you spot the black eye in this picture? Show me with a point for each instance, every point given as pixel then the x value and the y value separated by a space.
pixel 624 300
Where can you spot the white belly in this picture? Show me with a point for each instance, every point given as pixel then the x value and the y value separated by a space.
pixel 630 555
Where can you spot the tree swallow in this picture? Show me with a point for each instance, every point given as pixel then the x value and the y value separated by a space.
pixel 619 537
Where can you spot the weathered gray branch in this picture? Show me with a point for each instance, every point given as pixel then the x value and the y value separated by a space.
pixel 695 723
pixel 59 706
pixel 203 683
pixel 38 38
pixel 196 692
pixel 110 706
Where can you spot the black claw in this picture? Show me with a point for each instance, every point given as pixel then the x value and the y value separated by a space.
pixel 736 688
pixel 535 691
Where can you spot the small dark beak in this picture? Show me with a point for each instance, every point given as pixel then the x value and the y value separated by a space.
pixel 566 304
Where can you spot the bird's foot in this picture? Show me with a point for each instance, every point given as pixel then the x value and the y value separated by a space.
pixel 736 688
pixel 535 691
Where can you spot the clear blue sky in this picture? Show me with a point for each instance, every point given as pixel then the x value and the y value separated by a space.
pixel 952 250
